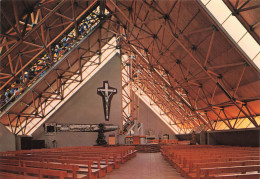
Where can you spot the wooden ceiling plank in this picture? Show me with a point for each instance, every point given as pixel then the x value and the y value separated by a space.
pixel 223 120
pixel 213 94
pixel 173 6
pixel 177 95
pixel 256 24
pixel 123 14
pixel 236 5
pixel 248 8
pixel 32 17
pixel 243 5
pixel 17 63
pixel 213 79
pixel 9 121
pixel 145 81
pixel 16 16
pixel 250 113
pixel 40 105
pixel 10 61
pixel 239 81
pixel 16 124
pixel 179 9
pixel 26 121
pixel 73 13
pixel 10 23
pixel 226 65
pixel 210 47
pixel 5 43
pixel 37 16
pixel 205 96
pixel 209 121
pixel 42 42
pixel 43 38
pixel 35 28
pixel 32 44
pixel 58 14
pixel 34 104
pixel 53 40
pixel 237 116
pixel 223 111
pixel 192 32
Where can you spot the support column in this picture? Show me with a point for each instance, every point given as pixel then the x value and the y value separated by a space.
pixel 203 138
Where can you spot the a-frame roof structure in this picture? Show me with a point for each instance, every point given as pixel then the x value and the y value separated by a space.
pixel 179 56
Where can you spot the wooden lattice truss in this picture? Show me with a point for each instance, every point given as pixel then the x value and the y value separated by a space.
pixel 182 60
pixel 188 66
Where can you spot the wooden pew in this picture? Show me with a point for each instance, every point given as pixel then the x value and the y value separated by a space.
pixel 239 176
pixel 189 166
pixel 196 166
pixel 4 175
pixel 188 160
pixel 10 162
pixel 112 159
pixel 184 142
pixel 39 172
pixel 153 141
pixel 207 172
pixel 84 166
pixel 173 141
pixel 124 152
pixel 71 169
pixel 42 157
pixel 184 160
pixel 116 157
pixel 58 164
pixel 104 159
pixel 101 168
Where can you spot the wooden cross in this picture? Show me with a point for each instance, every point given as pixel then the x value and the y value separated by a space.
pixel 107 93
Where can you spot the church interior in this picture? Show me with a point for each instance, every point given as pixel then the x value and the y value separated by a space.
pixel 134 89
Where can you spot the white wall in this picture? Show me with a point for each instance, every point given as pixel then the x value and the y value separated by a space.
pixel 152 122
pixel 7 140
pixel 86 107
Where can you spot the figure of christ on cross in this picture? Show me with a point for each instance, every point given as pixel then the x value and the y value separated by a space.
pixel 107 93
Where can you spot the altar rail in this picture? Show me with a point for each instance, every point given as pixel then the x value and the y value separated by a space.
pixel 148 148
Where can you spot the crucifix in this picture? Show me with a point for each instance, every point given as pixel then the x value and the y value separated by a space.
pixel 107 93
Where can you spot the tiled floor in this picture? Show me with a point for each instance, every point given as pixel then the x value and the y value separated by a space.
pixel 145 166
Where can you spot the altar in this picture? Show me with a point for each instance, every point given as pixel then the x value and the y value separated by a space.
pixel 135 140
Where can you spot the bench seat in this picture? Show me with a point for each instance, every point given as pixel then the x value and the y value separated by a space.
pixel 34 171
pixel 238 176
pixel 5 175
pixel 79 176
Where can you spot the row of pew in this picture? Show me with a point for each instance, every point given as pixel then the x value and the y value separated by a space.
pixel 206 161
pixel 69 162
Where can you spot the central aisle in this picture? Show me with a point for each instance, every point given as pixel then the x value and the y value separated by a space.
pixel 145 166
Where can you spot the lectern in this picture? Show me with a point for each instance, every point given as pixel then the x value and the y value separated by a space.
pixel 136 140
pixel 112 140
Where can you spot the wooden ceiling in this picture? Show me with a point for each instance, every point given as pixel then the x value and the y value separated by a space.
pixel 182 59
pixel 247 13
pixel 201 68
